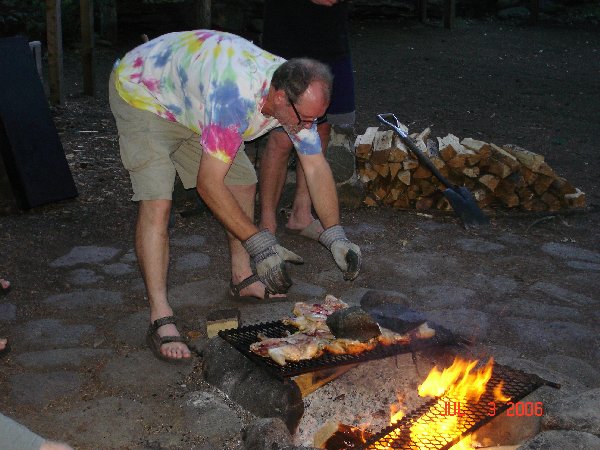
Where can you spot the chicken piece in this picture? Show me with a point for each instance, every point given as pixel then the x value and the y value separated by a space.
pixel 319 311
pixel 389 337
pixel 295 347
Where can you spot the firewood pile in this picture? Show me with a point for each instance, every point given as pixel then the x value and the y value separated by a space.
pixel 498 176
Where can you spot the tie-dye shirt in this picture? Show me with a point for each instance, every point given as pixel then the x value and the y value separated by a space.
pixel 211 82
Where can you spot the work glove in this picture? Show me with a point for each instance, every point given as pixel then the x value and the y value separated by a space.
pixel 269 259
pixel 346 254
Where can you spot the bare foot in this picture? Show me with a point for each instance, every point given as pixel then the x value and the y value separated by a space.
pixel 51 445
pixel 171 350
pixel 3 343
pixel 299 223
pixel 257 290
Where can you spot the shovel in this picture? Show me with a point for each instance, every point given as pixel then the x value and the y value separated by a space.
pixel 460 198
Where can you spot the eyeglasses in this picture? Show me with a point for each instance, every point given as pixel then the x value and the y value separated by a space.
pixel 302 121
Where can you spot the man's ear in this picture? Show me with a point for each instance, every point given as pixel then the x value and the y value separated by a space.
pixel 279 97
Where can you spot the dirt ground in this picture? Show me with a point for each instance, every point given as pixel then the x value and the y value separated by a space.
pixel 537 87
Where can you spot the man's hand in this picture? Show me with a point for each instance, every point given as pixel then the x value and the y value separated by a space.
pixel 269 258
pixel 325 2
pixel 346 254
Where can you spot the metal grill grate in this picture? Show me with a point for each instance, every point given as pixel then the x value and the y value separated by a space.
pixel 242 337
pixel 433 414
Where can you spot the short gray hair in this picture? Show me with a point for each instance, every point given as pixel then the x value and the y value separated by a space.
pixel 295 75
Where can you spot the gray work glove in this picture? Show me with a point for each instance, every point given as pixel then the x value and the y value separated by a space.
pixel 346 254
pixel 269 258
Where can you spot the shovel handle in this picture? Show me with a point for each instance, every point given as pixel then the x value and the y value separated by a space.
pixel 413 147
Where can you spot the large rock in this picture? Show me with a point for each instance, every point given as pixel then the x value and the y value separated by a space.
pixel 572 440
pixel 265 433
pixel 251 386
pixel 579 412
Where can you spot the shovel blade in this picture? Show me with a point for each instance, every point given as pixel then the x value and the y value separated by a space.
pixel 465 206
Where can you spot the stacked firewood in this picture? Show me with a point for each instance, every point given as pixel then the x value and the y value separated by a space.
pixel 506 176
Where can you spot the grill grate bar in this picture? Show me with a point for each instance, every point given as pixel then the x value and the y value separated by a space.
pixel 427 422
pixel 241 338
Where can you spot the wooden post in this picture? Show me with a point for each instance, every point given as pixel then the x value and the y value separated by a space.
pixel 55 54
pixel 87 45
pixel 449 13
pixel 108 20
pixel 203 13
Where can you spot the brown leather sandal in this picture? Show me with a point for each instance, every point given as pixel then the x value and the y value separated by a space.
pixel 155 341
pixel 235 289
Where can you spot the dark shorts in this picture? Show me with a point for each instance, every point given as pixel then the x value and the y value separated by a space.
pixel 341 110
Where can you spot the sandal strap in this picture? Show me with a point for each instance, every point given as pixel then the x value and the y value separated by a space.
pixel 162 321
pixel 236 288
pixel 168 339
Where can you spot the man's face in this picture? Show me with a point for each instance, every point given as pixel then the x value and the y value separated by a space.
pixel 305 112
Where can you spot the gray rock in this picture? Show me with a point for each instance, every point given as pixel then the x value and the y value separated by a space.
pixel 575 368
pixel 61 357
pixel 579 412
pixel 418 265
pixel 192 261
pixel 84 276
pixel 549 336
pixel 132 328
pixel 210 415
pixel 513 239
pixel 265 433
pixel 142 370
pixel 49 333
pixel 118 269
pixel 342 163
pixel 193 240
pixel 522 307
pixel 8 312
pixel 479 246
pixel 269 312
pixel 310 290
pixel 91 298
pixel 469 323
pixel 353 323
pixel 584 265
pixel 565 251
pixel 85 255
pixel 572 440
pixel 496 285
pixel 559 293
pixel 41 388
pixel 250 386
pixel 129 257
pixel 445 295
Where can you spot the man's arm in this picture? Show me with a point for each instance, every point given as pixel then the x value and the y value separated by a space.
pixel 217 196
pixel 321 187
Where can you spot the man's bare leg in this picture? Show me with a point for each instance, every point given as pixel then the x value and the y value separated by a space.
pixel 152 248
pixel 240 260
pixel 273 172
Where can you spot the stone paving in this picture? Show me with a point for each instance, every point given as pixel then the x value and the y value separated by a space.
pixel 80 371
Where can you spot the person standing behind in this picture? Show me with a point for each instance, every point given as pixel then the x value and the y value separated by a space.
pixel 316 29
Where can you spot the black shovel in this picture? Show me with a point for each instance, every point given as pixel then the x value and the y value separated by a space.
pixel 460 198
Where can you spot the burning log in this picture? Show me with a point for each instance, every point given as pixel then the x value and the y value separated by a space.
pixel 337 436
pixel 506 176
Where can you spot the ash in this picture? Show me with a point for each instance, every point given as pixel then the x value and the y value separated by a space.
pixel 362 396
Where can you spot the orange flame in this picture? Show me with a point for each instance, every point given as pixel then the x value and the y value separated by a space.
pixel 397 411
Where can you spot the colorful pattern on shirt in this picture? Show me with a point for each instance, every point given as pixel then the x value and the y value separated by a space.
pixel 213 83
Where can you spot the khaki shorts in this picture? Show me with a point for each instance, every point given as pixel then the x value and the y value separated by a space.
pixel 153 149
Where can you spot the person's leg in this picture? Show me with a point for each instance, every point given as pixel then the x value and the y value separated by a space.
pixel 301 215
pixel 240 260
pixel 152 248
pixel 273 173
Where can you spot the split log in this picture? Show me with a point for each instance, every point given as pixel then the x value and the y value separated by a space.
pixel 562 187
pixel 546 170
pixel 364 143
pixel 337 436
pixel 542 183
pixel 529 175
pixel 370 201
pixel 453 152
pixel 528 159
pixel 405 177
pixel 422 172
pixel 381 147
pixel 424 203
pixel 382 169
pixel 552 201
pixel 394 168
pixel 489 181
pixel 399 151
pixel 410 164
pixel 525 194
pixel 501 155
pixel 471 172
pixel 576 200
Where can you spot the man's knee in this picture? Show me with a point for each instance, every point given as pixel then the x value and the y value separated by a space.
pixel 279 144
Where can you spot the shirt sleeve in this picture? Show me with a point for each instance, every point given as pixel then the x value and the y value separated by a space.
pixel 307 141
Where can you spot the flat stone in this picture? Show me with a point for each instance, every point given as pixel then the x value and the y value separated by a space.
pixel 469 323
pixel 513 239
pixel 142 370
pixel 559 293
pixel 198 293
pixel 8 312
pixel 479 245
pixel 374 297
pixel 583 265
pixel 129 257
pixel 565 251
pixel 269 312
pixel 330 276
pixel 192 240
pixel 63 357
pixel 522 307
pixel 266 433
pixel 84 276
pixel 579 412
pixel 550 336
pixel 52 333
pixel 495 285
pixel 132 328
pixel 192 261
pixel 574 367
pixel 118 269
pixel 85 255
pixel 307 289
pixel 342 162
pixel 445 295
pixel 41 388
pixel 101 421
pixel 419 265
pixel 572 440
pixel 365 228
pixel 91 298
pixel 210 416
